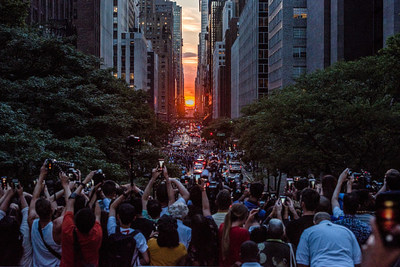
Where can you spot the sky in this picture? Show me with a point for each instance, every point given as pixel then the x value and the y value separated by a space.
pixel 191 27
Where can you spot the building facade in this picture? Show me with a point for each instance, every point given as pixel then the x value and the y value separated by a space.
pixel 391 18
pixel 178 66
pixel 253 52
pixel 346 30
pixel 235 111
pixel 218 82
pixel 203 62
pixel 93 22
pixel 287 42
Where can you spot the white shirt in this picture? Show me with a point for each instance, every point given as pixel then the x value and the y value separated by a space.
pixel 328 244
pixel 41 255
pixel 141 243
pixel 26 259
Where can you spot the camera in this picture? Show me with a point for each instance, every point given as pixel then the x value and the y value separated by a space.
pixel 72 174
pixel 98 177
pixel 55 166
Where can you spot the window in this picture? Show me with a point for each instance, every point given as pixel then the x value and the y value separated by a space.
pixel 115 9
pixel 299 52
pixel 299 33
pixel 299 13
pixel 298 71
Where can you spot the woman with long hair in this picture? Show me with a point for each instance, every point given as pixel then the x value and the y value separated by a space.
pixel 232 234
pixel 203 249
pixel 165 249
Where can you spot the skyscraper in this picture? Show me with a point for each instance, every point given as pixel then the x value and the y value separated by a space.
pixel 391 18
pixel 178 66
pixel 346 30
pixel 287 41
pixel 202 66
pixel 93 20
pixel 253 52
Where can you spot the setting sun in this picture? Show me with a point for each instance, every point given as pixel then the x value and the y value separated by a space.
pixel 189 101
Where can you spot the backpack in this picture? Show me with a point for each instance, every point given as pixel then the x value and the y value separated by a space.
pixel 122 248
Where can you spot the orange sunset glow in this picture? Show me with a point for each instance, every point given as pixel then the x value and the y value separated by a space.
pixel 189 101
pixel 191 26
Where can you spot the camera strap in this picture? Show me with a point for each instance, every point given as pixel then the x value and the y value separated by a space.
pixel 50 249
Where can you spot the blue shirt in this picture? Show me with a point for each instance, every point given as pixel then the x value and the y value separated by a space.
pixel 250 206
pixel 361 230
pixel 185 234
pixel 105 204
pixel 328 244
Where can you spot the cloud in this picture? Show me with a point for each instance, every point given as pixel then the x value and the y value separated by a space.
pixel 189 54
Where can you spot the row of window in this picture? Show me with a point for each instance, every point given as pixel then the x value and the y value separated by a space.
pixel 299 13
pixel 299 52
pixel 300 32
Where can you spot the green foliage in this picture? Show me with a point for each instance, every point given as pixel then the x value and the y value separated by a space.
pixel 13 12
pixel 344 116
pixel 57 103
pixel 218 126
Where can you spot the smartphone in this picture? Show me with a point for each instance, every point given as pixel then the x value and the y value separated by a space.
pixel 160 164
pixel 388 218
pixel 4 182
pixel 15 183
pixel 197 178
pixel 283 199
pixel 312 183
pixel 289 182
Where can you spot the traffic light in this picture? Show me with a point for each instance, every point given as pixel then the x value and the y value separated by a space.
pixel 211 133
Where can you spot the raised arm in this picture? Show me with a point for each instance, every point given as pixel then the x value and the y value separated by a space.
pixel 335 196
pixel 204 199
pixel 146 193
pixel 170 190
pixel 78 190
pixel 20 191
pixel 117 202
pixel 6 203
pixel 36 192
pixel 182 189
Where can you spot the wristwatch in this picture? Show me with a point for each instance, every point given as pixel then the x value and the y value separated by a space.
pixel 73 195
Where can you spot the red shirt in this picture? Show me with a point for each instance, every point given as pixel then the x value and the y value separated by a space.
pixel 90 243
pixel 237 236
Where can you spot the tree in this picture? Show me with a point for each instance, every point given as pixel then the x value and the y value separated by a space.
pixel 13 12
pixel 344 116
pixel 57 103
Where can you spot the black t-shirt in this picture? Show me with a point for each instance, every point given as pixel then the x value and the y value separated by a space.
pixel 295 228
pixel 145 226
pixel 274 253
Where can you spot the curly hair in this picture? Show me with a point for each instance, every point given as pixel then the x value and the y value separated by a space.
pixel 167 232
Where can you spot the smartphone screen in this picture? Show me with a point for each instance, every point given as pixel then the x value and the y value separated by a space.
pixel 388 217
pixel 290 183
pixel 312 183
pixel 160 164
pixel 4 182
pixel 283 199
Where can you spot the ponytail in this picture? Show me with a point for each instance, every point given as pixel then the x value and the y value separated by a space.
pixel 237 212
pixel 225 234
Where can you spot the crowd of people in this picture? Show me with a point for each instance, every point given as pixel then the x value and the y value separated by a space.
pixel 167 224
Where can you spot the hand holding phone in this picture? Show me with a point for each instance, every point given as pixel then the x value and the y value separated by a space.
pixel 388 218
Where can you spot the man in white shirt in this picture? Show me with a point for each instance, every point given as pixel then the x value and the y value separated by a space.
pixel 328 244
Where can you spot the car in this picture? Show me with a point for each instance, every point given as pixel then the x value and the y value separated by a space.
pixel 235 167
pixel 198 168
